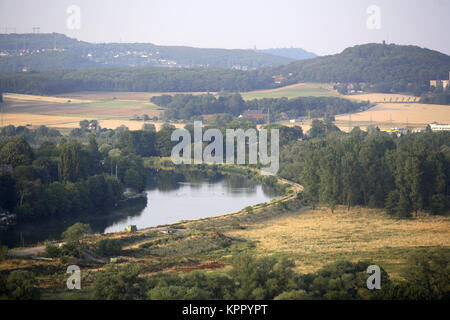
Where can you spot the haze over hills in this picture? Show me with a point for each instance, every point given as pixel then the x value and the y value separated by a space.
pixel 57 51
pixel 292 53
pixel 373 67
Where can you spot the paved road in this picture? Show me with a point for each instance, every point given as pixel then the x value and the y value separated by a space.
pixel 27 251
pixel 30 251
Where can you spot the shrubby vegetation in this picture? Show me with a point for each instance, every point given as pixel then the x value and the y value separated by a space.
pixel 109 247
pixel 19 285
pixel 269 278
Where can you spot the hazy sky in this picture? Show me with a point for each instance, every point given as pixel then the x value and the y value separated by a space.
pixel 320 26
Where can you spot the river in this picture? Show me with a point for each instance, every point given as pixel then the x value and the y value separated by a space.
pixel 169 198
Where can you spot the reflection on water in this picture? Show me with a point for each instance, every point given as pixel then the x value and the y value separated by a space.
pixel 171 197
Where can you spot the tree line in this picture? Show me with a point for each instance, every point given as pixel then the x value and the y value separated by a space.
pixel 188 106
pixel 437 95
pixel 404 174
pixel 144 79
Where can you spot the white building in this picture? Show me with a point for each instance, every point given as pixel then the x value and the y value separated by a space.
pixel 439 127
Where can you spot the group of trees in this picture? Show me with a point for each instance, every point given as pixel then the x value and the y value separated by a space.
pixel 33 137
pixel 404 175
pixel 187 106
pixel 437 95
pixel 266 278
pixel 65 178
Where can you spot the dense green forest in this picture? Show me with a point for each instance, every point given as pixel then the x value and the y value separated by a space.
pixel 73 54
pixel 404 175
pixel 381 67
pixel 60 177
pixel 153 79
pixel 187 106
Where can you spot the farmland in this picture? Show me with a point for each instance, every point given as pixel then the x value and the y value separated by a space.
pixel 381 97
pixel 388 115
pixel 66 112
pixel 113 109
pixel 292 91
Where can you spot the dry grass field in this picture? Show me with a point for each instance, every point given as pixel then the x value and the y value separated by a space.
pixel 388 115
pixel 381 97
pixel 53 99
pixel 317 237
pixel 292 91
pixel 130 96
pixel 69 122
pixel 35 120
pixel 57 112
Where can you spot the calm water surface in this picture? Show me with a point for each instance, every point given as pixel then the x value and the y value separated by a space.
pixel 168 199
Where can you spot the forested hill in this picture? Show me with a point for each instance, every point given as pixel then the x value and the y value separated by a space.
pixel 383 66
pixel 57 51
pixel 149 79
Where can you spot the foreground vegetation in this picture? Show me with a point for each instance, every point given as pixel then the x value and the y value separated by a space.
pixel 278 250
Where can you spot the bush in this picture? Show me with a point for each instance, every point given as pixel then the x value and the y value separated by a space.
pixel 119 283
pixel 109 247
pixel 3 251
pixel 21 285
pixel 248 209
pixel 52 251
pixel 76 232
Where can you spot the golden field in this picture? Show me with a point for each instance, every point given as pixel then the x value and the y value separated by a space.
pixel 125 95
pixel 55 99
pixel 292 91
pixel 69 122
pixel 314 238
pixel 381 97
pixel 58 112
pixel 388 115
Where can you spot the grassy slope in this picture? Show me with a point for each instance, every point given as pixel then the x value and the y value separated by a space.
pixel 317 237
